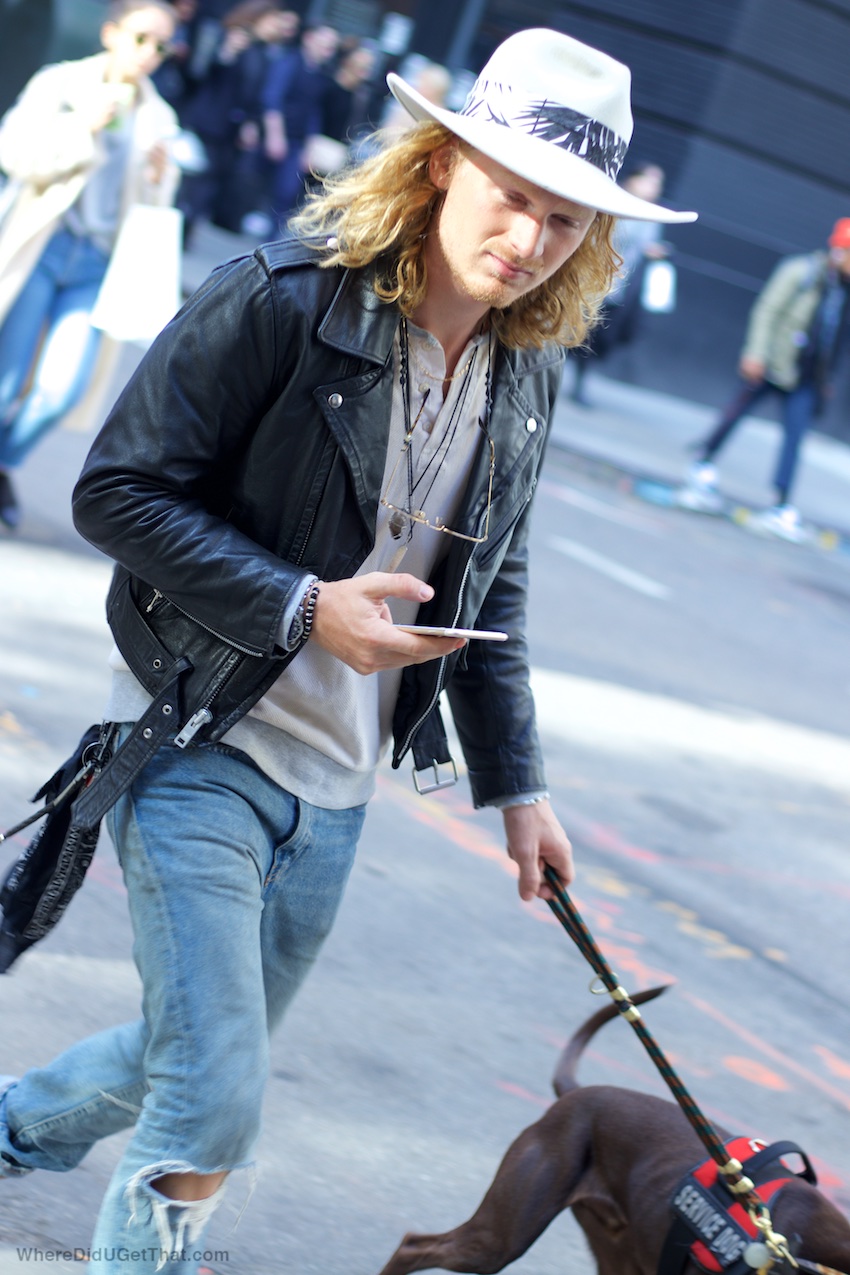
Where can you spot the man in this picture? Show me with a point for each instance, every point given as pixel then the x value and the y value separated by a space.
pixel 86 141
pixel 371 395
pixel 293 99
pixel 796 331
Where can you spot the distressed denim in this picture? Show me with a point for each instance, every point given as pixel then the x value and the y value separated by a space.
pixel 50 318
pixel 233 885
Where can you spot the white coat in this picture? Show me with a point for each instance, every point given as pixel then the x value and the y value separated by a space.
pixel 49 152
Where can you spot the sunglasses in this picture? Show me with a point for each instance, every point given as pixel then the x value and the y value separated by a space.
pixel 142 37
pixel 400 515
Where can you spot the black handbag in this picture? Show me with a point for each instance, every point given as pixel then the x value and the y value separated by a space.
pixel 41 883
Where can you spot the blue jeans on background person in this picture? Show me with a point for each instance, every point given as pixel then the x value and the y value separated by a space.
pixel 798 409
pixel 233 885
pixel 49 323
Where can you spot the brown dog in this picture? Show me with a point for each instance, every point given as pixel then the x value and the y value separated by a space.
pixel 614 1156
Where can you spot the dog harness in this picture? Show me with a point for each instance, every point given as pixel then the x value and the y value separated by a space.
pixel 710 1226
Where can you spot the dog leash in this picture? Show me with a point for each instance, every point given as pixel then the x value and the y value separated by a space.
pixel 771 1248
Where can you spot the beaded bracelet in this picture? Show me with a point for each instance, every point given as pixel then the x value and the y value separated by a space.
pixel 308 604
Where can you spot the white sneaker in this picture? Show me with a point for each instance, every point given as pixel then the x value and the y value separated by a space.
pixel 700 491
pixel 702 474
pixel 782 521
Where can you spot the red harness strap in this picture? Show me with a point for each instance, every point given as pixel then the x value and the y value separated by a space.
pixel 710 1226
pixel 739 1149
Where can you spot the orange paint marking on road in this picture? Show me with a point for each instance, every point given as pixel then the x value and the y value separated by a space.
pixel 828 1178
pixel 756 1042
pixel 682 1063
pixel 606 905
pixel 517 1091
pixel 468 836
pixel 603 837
pixel 836 1065
pixel 756 1072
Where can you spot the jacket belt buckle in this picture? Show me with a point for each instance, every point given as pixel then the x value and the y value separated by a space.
pixel 423 787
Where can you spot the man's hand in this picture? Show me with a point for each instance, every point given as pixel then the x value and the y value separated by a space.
pixel 354 623
pixel 535 838
pixel 752 370
pixel 276 146
pixel 157 163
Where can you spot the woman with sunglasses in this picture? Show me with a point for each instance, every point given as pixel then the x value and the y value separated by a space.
pixel 85 141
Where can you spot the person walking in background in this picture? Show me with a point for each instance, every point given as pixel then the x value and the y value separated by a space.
pixel 275 33
pixel 223 111
pixel 339 437
pixel 171 78
pixel 292 100
pixel 637 243
pixel 345 108
pixel 85 141
pixel 798 327
pixel 344 119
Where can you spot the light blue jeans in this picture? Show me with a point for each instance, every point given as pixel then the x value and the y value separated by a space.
pixel 50 318
pixel 233 886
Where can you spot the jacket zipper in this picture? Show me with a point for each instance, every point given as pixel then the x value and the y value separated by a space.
pixel 203 716
pixel 158 597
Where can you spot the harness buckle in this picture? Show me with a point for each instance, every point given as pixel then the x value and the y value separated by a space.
pixel 423 787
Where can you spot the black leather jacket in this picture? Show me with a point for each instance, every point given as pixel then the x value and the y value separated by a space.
pixel 248 451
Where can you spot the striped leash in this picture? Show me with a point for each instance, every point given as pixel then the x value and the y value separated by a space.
pixel 772 1247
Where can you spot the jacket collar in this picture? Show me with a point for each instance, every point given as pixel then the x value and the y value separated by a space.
pixel 357 322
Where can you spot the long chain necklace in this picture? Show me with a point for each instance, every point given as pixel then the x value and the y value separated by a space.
pixel 433 376
pixel 398 520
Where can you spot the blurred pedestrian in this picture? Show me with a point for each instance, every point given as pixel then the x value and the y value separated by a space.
pixel 431 80
pixel 275 33
pixel 215 111
pixel 293 100
pixel 797 330
pixel 345 117
pixel 85 141
pixel 171 77
pixel 345 109
pixel 637 243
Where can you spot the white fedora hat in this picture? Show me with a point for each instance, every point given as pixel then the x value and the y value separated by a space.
pixel 555 112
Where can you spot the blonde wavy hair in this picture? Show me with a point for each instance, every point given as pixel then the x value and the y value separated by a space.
pixel 380 211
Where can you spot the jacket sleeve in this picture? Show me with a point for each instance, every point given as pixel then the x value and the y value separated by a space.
pixel 153 494
pixel 43 138
pixel 490 695
pixel 278 78
pixel 778 293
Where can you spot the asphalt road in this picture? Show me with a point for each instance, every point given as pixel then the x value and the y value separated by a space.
pixel 693 689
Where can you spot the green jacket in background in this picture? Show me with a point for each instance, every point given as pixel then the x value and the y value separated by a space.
pixel 782 315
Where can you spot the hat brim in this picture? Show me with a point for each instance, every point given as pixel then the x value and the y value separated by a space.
pixel 558 171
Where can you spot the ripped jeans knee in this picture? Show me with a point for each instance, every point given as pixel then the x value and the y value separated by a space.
pixel 177 1224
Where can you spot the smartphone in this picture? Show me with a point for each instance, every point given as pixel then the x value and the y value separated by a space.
pixel 425 630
